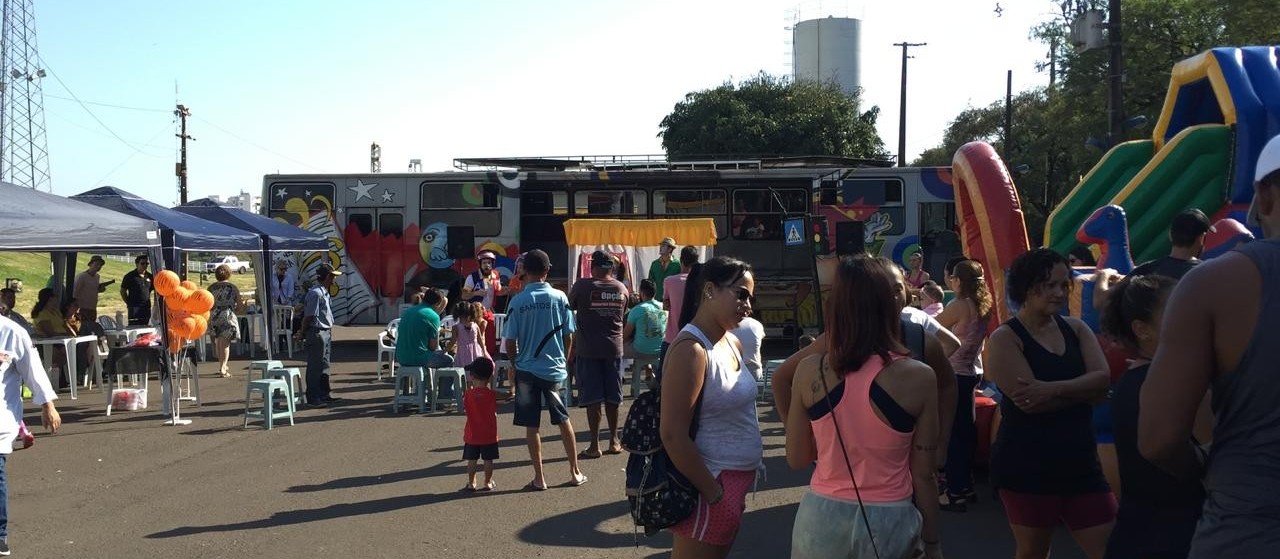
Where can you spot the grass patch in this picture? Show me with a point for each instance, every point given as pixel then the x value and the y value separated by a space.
pixel 33 269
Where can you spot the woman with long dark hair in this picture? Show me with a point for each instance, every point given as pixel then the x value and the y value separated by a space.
pixel 967 316
pixel 873 414
pixel 1051 371
pixel 705 373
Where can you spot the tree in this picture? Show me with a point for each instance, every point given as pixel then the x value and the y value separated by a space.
pixel 1052 128
pixel 771 116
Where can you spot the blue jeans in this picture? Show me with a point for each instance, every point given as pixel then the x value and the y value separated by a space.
pixel 964 439
pixel 4 498
pixel 318 354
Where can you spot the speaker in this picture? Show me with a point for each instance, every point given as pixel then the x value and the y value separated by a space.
pixel 849 238
pixel 461 242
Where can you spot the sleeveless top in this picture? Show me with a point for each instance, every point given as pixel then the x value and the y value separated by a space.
pixel 469 347
pixel 967 360
pixel 728 431
pixel 1052 453
pixel 880 455
pixel 1242 513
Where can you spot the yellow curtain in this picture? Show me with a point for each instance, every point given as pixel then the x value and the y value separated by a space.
pixel 640 233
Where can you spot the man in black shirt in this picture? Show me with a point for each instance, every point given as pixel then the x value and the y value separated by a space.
pixel 1187 234
pixel 135 289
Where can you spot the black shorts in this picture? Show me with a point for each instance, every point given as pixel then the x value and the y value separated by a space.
pixel 531 392
pixel 477 452
pixel 599 380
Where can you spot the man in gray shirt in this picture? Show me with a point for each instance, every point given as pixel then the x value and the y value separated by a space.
pixel 317 326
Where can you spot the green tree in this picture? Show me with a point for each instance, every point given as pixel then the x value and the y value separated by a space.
pixel 1052 127
pixel 771 116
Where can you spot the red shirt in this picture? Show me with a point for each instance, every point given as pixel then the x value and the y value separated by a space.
pixel 482 416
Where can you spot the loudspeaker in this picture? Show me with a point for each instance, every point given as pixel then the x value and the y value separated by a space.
pixel 461 242
pixel 849 238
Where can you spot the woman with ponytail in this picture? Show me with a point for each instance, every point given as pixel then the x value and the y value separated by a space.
pixel 1158 511
pixel 708 419
pixel 968 316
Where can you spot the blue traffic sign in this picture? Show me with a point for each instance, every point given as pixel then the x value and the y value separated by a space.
pixel 793 232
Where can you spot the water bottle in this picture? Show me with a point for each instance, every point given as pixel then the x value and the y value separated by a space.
pixel 120 319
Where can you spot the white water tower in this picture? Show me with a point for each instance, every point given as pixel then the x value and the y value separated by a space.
pixel 827 49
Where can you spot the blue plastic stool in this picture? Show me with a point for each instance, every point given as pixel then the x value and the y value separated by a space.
pixel 268 414
pixel 293 376
pixel 262 367
pixel 459 377
pixel 410 385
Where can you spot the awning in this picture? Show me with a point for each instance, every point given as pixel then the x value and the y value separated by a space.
pixel 276 236
pixel 699 231
pixel 180 231
pixel 39 221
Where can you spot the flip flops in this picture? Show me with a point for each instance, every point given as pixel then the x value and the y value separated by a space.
pixel 531 487
pixel 577 481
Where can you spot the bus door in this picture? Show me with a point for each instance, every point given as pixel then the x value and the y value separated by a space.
pixel 377 241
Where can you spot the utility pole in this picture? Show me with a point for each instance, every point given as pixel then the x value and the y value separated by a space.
pixel 182 113
pixel 902 115
pixel 1115 81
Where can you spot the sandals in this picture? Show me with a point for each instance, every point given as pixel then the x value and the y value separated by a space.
pixel 957 503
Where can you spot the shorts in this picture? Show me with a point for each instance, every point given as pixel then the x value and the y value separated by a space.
pixel 476 452
pixel 599 380
pixel 718 524
pixel 1047 511
pixel 531 392
pixel 827 527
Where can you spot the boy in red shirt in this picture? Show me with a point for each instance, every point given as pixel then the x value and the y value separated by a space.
pixel 480 435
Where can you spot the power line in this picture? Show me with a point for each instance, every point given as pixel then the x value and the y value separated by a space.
pixel 101 133
pixel 144 109
pixel 131 155
pixel 256 145
pixel 85 107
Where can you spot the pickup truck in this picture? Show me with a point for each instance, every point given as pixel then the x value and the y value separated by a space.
pixel 238 266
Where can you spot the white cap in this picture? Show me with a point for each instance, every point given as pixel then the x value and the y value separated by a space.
pixel 1268 160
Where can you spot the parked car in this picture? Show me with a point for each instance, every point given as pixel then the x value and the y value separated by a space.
pixel 238 266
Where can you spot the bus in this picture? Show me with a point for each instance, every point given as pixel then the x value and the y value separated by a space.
pixel 391 233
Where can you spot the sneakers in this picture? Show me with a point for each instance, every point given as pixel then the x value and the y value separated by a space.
pixel 4 549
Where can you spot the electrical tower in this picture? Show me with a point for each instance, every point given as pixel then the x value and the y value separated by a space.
pixel 24 153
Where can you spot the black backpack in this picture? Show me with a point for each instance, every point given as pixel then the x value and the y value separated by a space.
pixel 658 494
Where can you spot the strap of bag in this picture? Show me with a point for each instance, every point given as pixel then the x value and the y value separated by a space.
pixel 822 367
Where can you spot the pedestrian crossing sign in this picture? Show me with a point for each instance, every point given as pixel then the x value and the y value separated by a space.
pixel 793 230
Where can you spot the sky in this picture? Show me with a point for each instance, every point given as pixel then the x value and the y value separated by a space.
pixel 307 86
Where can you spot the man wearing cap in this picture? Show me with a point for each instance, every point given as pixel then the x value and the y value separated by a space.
pixel 538 335
pixel 483 285
pixel 665 266
pixel 601 305
pixel 86 289
pixel 1221 329
pixel 1186 232
pixel 317 326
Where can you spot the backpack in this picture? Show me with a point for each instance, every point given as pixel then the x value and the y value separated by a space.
pixel 658 494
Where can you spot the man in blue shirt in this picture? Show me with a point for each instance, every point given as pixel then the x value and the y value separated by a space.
pixel 317 326
pixel 539 335
pixel 418 335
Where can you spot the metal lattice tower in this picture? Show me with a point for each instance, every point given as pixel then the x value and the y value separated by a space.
pixel 24 153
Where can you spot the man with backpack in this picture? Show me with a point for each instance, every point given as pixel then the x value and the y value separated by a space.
pixel 538 336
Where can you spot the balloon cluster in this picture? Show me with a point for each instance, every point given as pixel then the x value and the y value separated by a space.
pixel 186 308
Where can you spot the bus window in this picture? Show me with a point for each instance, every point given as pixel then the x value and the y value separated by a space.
pixel 463 203
pixel 693 203
pixel 544 203
pixel 870 192
pixel 362 221
pixel 612 203
pixel 758 212
pixel 937 216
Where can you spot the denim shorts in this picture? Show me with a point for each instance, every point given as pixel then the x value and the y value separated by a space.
pixel 531 392
pixel 599 380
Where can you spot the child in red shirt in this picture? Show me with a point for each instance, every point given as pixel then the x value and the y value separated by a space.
pixel 480 434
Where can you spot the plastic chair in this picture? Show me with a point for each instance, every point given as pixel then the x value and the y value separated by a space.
pixel 293 376
pixel 459 385
pixel 638 365
pixel 263 367
pixel 410 388
pixel 387 348
pixel 282 325
pixel 108 323
pixel 268 415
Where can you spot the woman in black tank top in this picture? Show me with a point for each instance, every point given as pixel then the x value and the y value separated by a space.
pixel 1050 370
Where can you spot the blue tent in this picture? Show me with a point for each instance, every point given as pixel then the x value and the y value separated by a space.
pixel 276 236
pixel 177 230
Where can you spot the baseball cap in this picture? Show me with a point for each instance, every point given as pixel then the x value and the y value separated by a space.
pixel 601 259
pixel 482 367
pixel 668 242
pixel 486 254
pixel 1191 223
pixel 1268 162
pixel 326 270
pixel 536 262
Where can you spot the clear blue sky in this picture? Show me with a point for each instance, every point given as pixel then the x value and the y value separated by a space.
pixel 306 86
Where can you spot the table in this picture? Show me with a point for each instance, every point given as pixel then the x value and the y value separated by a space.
pixel 68 344
pixel 128 334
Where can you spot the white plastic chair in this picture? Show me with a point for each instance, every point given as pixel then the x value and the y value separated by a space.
pixel 108 323
pixel 387 347
pixel 282 320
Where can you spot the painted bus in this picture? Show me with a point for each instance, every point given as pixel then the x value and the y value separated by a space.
pixel 391 233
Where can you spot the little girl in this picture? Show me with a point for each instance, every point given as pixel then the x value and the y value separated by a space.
pixel 468 333
pixel 931 298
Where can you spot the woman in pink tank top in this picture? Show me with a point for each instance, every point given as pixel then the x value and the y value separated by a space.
pixel 870 419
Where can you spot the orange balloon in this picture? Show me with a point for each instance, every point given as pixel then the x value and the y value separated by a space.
pixel 164 282
pixel 189 285
pixel 178 299
pixel 200 301
pixel 187 327
pixel 201 327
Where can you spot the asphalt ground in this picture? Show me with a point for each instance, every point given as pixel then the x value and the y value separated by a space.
pixel 355 479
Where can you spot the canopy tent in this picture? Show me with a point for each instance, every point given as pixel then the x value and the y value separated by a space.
pixel 182 232
pixel 276 236
pixel 39 221
pixel 634 242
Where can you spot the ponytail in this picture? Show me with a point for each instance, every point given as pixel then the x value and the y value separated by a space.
pixel 692 295
pixel 1134 298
